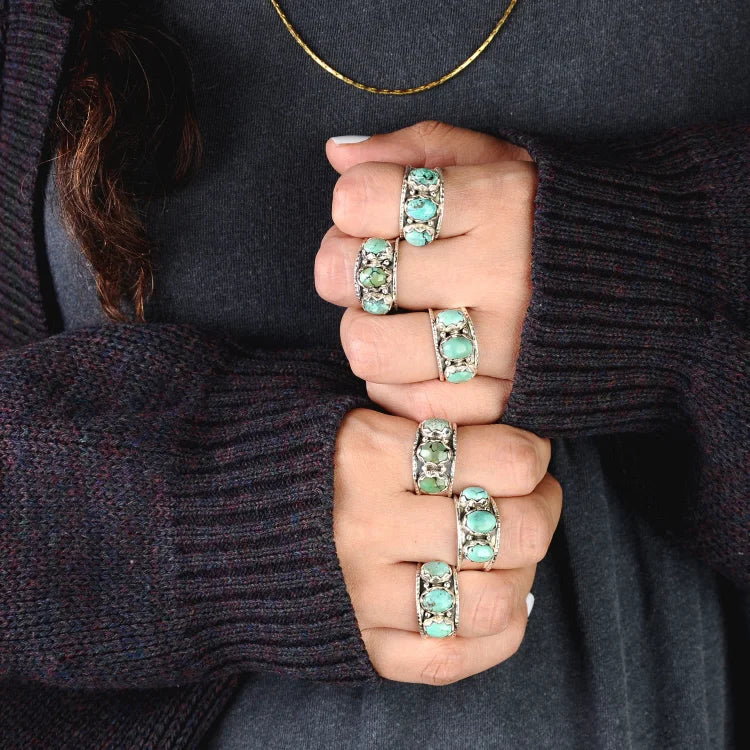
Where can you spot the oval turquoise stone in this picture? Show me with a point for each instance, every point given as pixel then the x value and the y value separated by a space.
pixel 450 318
pixel 424 176
pixel 375 245
pixel 372 277
pixel 457 347
pixel 479 553
pixel 437 629
pixel 420 209
pixel 437 600
pixel 418 237
pixel 376 306
pixel 434 452
pixel 435 424
pixel 475 493
pixel 459 376
pixel 437 569
pixel 480 521
pixel 433 485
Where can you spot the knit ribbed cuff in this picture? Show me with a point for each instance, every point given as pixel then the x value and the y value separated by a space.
pixel 627 279
pixel 260 584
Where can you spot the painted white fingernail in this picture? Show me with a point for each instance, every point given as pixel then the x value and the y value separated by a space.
pixel 529 604
pixel 342 140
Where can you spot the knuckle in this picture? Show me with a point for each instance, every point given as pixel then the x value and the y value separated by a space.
pixel 328 271
pixel 524 461
pixel 360 341
pixel 351 197
pixel 534 533
pixel 444 666
pixel 432 128
pixel 493 610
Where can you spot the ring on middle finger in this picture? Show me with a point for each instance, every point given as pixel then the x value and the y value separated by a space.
pixel 434 457
pixel 456 345
pixel 478 527
pixel 375 275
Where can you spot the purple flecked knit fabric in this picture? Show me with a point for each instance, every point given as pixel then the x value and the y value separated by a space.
pixel 166 495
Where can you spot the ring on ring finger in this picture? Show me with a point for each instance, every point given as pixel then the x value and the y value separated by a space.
pixel 437 599
pixel 456 345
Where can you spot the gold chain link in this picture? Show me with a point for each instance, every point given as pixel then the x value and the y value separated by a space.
pixel 394 92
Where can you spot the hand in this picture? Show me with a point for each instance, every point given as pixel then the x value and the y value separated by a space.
pixel 482 261
pixel 382 529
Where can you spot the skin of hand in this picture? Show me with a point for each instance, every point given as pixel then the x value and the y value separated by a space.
pixel 381 529
pixel 480 261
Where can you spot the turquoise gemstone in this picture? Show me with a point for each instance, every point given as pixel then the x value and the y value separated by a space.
pixel 480 521
pixel 475 493
pixel 437 600
pixel 433 485
pixel 457 347
pixel 438 628
pixel 372 277
pixel 376 306
pixel 459 376
pixel 436 569
pixel 375 245
pixel 449 318
pixel 434 452
pixel 479 553
pixel 421 209
pixel 418 237
pixel 435 424
pixel 424 176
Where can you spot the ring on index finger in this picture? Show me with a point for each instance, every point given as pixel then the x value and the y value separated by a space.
pixel 422 198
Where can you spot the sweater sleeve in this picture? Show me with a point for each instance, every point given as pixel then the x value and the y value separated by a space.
pixel 165 511
pixel 638 320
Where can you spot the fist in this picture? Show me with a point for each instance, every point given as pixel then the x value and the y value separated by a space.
pixel 481 261
pixel 382 530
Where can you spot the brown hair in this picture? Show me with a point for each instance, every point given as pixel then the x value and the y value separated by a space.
pixel 125 130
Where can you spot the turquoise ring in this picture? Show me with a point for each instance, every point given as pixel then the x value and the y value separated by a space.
pixel 375 280
pixel 456 345
pixel 437 599
pixel 434 457
pixel 422 198
pixel 478 525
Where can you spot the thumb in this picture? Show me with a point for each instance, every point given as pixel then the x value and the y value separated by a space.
pixel 425 144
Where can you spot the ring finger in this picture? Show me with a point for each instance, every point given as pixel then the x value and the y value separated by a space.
pixel 400 348
pixel 487 600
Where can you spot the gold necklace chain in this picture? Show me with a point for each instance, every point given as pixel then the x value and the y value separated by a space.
pixel 394 92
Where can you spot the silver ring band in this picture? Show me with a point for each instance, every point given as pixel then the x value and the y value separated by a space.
pixel 456 345
pixel 375 275
pixel 437 599
pixel 434 457
pixel 422 199
pixel 478 525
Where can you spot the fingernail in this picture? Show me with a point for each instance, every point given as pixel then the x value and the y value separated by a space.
pixel 342 140
pixel 529 604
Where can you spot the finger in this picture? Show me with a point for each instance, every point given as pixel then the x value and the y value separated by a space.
pixel 400 348
pixel 481 400
pixel 457 271
pixel 367 198
pixel 505 460
pixel 408 657
pixel 422 527
pixel 427 143
pixel 487 600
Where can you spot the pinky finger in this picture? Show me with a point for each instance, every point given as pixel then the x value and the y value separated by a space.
pixel 409 657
